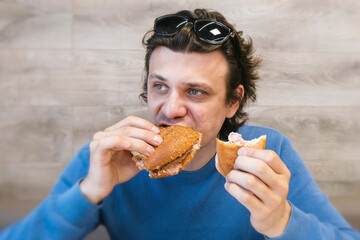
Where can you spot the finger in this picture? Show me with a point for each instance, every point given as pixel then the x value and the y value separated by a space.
pixel 117 143
pixel 246 198
pixel 256 167
pixel 278 183
pixel 250 183
pixel 133 132
pixel 270 157
pixel 101 149
pixel 135 122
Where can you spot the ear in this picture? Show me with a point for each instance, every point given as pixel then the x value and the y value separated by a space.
pixel 234 106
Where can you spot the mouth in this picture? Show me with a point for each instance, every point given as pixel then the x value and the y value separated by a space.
pixel 172 124
pixel 167 124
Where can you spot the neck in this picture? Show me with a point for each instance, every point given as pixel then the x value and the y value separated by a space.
pixel 202 157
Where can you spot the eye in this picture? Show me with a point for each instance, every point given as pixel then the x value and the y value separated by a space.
pixel 196 92
pixel 160 87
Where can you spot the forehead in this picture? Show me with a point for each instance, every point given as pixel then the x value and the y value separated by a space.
pixel 210 67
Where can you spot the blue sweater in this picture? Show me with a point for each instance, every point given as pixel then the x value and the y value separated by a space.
pixel 190 205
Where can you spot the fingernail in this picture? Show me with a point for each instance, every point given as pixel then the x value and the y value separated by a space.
pixel 150 150
pixel 241 151
pixel 155 129
pixel 158 139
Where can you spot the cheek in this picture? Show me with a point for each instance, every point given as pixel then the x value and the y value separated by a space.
pixel 209 118
pixel 153 108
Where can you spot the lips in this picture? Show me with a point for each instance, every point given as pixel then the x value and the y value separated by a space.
pixel 162 120
pixel 168 124
pixel 164 125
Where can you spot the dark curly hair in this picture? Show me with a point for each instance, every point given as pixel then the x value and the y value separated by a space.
pixel 238 53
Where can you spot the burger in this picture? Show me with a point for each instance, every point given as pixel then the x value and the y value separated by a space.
pixel 178 148
pixel 227 151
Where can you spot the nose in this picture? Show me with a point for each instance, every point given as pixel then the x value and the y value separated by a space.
pixel 174 107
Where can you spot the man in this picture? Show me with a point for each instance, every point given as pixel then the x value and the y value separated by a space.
pixel 200 73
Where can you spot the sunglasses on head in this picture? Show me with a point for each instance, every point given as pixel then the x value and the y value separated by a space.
pixel 206 30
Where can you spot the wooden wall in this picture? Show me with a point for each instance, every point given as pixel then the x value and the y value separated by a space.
pixel 69 68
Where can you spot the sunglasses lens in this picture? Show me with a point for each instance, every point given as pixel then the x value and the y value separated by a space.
pixel 211 31
pixel 168 25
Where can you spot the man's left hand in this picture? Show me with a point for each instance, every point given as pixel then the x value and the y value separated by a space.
pixel 260 181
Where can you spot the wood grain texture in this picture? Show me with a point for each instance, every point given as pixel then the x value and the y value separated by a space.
pixel 104 77
pixel 62 77
pixel 35 24
pixel 326 26
pixel 19 183
pixel 90 119
pixel 69 68
pixel 35 134
pixel 318 133
pixel 309 79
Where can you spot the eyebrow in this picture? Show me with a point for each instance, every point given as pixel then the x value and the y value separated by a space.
pixel 157 76
pixel 203 86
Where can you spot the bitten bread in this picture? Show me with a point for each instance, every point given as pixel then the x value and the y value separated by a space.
pixel 178 148
pixel 227 151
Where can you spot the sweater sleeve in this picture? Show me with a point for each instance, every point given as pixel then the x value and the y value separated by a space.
pixel 65 214
pixel 312 215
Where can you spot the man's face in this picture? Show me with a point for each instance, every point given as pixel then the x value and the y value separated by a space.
pixel 189 89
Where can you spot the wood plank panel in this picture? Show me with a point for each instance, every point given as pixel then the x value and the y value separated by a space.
pixel 114 78
pixel 274 25
pixel 35 134
pixel 344 171
pixel 90 119
pixel 35 24
pixel 73 67
pixel 318 133
pixel 309 79
pixel 61 77
pixel 28 181
pixel 346 190
pixel 8 86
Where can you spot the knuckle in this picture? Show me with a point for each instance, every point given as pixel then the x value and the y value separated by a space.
pixel 284 189
pixel 101 144
pixel 250 181
pixel 126 130
pixel 277 200
pixel 131 118
pixel 261 169
pixel 246 197
pixel 98 135
pixel 288 174
pixel 93 145
pixel 270 156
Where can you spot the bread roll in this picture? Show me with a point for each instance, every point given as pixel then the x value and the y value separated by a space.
pixel 227 151
pixel 178 148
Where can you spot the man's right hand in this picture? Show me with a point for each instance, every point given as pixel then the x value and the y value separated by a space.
pixel 110 155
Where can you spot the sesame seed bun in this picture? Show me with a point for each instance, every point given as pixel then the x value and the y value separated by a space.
pixel 178 148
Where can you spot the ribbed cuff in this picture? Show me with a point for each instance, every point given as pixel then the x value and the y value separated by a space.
pixel 74 206
pixel 293 229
